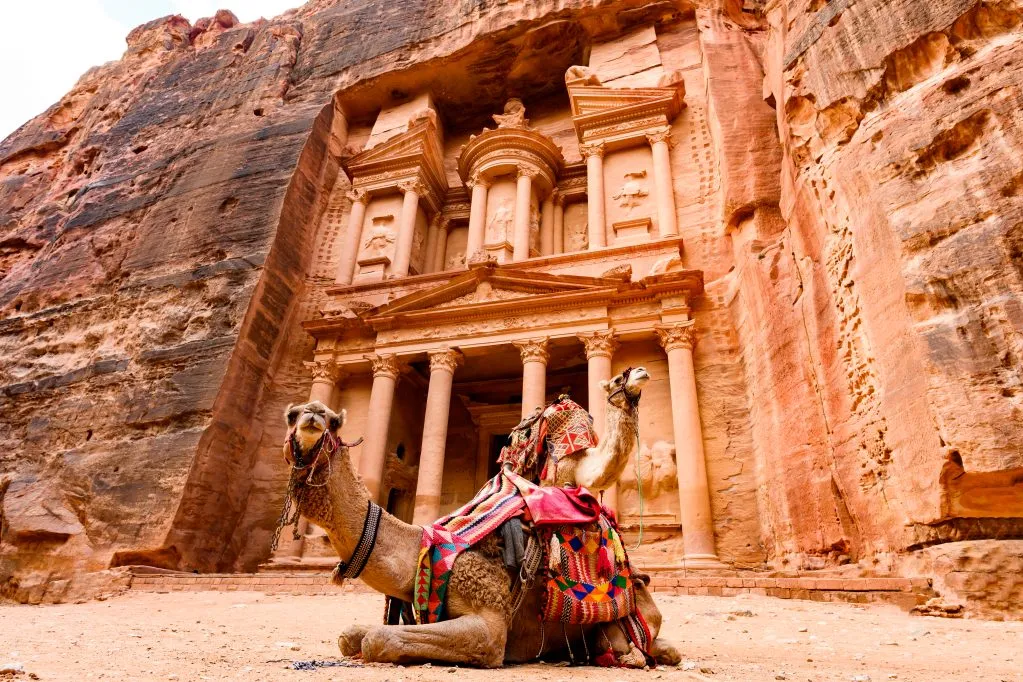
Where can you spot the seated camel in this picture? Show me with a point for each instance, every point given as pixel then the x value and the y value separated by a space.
pixel 481 627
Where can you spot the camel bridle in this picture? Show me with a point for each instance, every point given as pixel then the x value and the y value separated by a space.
pixel 633 401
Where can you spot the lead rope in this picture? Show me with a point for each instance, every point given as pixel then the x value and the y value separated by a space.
pixel 639 487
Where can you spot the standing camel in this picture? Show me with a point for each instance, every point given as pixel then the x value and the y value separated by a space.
pixel 598 468
pixel 481 629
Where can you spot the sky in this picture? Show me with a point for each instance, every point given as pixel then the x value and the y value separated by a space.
pixel 48 44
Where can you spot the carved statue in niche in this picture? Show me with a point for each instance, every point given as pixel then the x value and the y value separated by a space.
pixel 500 225
pixel 657 467
pixel 380 236
pixel 514 115
pixel 455 261
pixel 534 225
pixel 632 192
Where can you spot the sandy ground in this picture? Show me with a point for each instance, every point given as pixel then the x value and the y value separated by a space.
pixel 253 636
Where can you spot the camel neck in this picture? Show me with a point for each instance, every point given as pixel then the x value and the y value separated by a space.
pixel 340 508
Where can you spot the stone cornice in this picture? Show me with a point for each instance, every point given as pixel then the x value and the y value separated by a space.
pixel 621 117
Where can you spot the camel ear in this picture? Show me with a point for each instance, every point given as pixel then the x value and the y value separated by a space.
pixel 291 414
pixel 338 420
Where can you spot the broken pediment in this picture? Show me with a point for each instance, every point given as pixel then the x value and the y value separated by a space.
pixel 621 116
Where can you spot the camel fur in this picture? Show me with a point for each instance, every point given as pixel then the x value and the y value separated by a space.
pixel 480 629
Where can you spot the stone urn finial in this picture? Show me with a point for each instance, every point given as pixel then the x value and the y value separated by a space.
pixel 514 115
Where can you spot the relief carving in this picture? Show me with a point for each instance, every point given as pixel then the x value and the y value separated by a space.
pixel 632 193
pixel 380 236
pixel 500 225
pixel 456 261
pixel 514 115
pixel 581 75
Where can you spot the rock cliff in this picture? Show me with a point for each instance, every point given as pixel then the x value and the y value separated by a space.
pixel 159 245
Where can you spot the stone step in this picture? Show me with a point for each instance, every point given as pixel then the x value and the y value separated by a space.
pixel 904 592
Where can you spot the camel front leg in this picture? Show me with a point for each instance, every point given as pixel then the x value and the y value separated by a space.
pixel 475 639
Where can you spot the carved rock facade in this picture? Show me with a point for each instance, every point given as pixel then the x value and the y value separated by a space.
pixel 238 216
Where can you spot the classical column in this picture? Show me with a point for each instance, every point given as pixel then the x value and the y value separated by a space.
pixel 534 373
pixel 326 374
pixel 430 258
pixel 559 223
pixel 667 224
pixel 600 346
pixel 523 202
pixel 350 247
pixel 412 189
pixel 435 435
pixel 594 153
pixel 439 262
pixel 547 224
pixel 386 370
pixel 693 491
pixel 477 215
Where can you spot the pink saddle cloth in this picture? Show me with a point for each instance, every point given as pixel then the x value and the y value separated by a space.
pixel 557 506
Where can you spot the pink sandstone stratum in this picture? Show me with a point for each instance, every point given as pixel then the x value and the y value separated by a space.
pixel 848 194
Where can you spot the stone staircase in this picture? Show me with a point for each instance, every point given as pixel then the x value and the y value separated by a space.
pixel 313 578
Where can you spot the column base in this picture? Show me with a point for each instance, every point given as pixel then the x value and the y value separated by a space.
pixel 701 562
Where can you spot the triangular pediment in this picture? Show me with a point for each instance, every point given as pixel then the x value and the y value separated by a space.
pixel 489 288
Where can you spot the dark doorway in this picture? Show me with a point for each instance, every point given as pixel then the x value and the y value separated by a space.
pixel 496 443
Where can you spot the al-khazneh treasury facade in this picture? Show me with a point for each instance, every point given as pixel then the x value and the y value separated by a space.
pixel 485 270
pixel 802 217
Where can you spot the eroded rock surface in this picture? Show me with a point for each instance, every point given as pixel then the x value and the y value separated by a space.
pixel 852 194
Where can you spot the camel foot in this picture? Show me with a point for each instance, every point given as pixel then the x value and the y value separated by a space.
pixel 665 653
pixel 350 641
pixel 633 659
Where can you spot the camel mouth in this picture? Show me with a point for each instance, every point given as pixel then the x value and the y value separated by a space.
pixel 637 380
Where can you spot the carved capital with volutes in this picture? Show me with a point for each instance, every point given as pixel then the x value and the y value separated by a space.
pixel 445 360
pixel 659 135
pixel 533 350
pixel 440 222
pixel 526 171
pixel 385 365
pixel 559 198
pixel 415 185
pixel 358 196
pixel 589 149
pixel 325 371
pixel 477 178
pixel 599 343
pixel 680 335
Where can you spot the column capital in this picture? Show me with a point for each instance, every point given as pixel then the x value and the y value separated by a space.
pixel 358 196
pixel 600 343
pixel 533 350
pixel 477 178
pixel 445 360
pixel 440 222
pixel 416 185
pixel 526 171
pixel 589 149
pixel 678 335
pixel 559 198
pixel 385 365
pixel 555 196
pixel 325 371
pixel 659 135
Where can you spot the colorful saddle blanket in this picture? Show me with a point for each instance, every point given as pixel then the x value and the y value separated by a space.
pixel 587 569
pixel 547 436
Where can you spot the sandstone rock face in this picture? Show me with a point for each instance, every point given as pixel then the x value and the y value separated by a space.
pixel 847 178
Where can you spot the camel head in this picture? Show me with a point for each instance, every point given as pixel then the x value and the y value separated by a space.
pixel 625 389
pixel 314 434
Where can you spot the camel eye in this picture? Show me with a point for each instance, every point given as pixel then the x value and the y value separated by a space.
pixel 292 416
